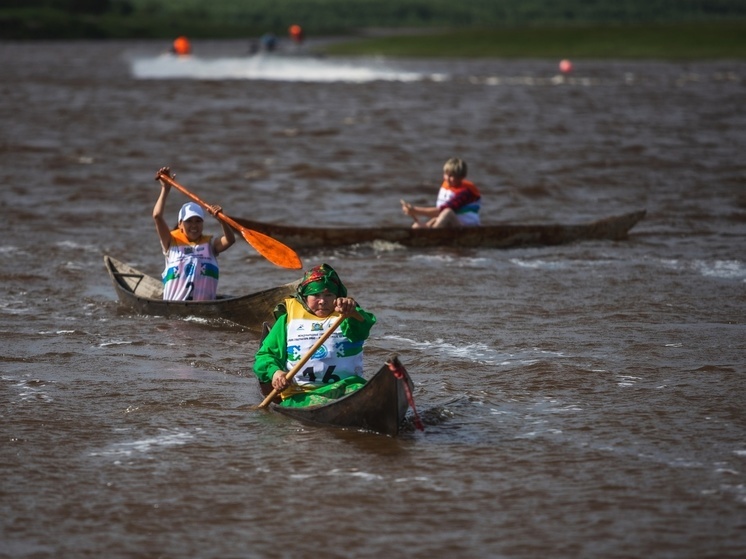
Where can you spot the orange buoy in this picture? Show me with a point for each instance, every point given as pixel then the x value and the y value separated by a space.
pixel 296 33
pixel 181 46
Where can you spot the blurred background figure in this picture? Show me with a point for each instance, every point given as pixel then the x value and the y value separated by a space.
pixel 296 34
pixel 268 42
pixel 181 46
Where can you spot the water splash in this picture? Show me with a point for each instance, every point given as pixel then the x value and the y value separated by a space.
pixel 269 67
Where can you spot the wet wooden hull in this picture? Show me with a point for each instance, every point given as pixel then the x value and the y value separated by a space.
pixel 486 236
pixel 379 406
pixel 143 294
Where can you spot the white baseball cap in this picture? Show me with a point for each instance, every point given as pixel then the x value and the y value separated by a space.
pixel 190 209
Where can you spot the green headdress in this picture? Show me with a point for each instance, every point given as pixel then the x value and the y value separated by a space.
pixel 319 278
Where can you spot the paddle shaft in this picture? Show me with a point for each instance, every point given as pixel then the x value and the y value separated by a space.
pixel 304 359
pixel 271 249
pixel 221 216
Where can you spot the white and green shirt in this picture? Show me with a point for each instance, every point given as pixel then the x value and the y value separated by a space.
pixel 191 272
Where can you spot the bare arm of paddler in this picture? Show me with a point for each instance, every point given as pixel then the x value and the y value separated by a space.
pixel 437 216
pixel 161 227
pixel 223 243
pixel 415 212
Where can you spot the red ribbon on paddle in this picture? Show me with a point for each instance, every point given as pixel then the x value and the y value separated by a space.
pixel 399 373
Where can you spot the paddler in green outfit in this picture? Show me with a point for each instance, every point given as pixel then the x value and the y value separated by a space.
pixel 336 368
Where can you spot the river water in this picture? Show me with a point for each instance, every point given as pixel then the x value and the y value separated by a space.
pixel 579 401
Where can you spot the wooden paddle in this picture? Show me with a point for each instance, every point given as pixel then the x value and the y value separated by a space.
pixel 271 249
pixel 290 374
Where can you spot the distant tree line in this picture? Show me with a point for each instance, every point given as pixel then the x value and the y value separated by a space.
pixel 240 18
pixel 72 6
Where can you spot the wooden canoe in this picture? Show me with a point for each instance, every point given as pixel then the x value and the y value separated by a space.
pixel 379 406
pixel 143 294
pixel 485 236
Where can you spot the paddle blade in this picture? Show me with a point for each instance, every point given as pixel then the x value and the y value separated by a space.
pixel 271 249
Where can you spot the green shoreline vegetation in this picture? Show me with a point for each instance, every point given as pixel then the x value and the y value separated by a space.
pixel 666 42
pixel 652 29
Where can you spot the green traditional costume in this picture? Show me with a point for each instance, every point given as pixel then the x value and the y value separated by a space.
pixel 336 367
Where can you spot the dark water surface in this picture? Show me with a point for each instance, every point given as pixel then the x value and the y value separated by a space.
pixel 580 401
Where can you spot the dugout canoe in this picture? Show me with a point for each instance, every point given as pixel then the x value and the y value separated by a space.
pixel 505 235
pixel 380 406
pixel 143 294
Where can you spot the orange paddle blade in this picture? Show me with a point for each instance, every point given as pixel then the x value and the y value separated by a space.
pixel 271 249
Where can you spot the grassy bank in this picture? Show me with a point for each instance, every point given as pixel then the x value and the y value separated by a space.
pixel 665 42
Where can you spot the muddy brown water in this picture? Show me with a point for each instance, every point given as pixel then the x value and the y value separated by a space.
pixel 579 401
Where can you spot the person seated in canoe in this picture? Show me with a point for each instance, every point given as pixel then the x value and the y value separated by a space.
pixel 457 204
pixel 336 368
pixel 191 271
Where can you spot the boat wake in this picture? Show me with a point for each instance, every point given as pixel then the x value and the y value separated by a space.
pixel 271 68
pixel 147 445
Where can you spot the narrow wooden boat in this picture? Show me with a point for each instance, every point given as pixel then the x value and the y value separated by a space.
pixel 143 294
pixel 379 406
pixel 485 236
